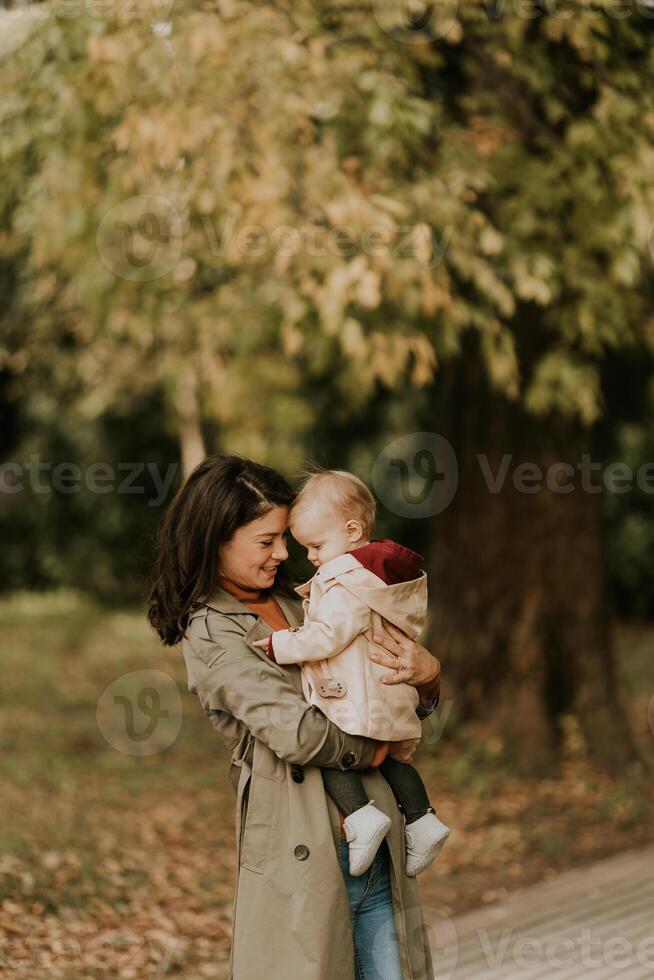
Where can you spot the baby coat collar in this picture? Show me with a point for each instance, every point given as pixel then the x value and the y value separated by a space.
pixel 330 570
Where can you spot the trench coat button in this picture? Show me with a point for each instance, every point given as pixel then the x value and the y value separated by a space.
pixel 348 759
pixel 296 774
pixel 301 852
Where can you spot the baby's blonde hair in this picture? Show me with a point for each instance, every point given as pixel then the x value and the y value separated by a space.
pixel 340 493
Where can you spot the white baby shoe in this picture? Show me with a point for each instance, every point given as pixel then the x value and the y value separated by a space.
pixel 365 829
pixel 424 839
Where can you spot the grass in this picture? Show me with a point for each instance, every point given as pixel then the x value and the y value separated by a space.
pixel 121 865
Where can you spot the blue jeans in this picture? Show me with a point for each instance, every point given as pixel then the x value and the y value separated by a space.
pixel 376 952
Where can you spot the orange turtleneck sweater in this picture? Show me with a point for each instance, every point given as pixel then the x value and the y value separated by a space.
pixel 264 606
pixel 268 609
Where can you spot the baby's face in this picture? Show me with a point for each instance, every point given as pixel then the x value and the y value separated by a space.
pixel 324 537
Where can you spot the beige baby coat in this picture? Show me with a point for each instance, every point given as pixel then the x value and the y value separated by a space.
pixel 343 606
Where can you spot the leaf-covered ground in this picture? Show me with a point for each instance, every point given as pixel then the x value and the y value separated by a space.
pixel 119 865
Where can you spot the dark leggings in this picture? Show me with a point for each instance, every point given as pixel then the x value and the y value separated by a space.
pixel 347 792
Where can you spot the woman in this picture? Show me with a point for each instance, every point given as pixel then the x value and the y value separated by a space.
pixel 220 584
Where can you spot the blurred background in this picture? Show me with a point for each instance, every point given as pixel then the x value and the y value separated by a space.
pixel 413 241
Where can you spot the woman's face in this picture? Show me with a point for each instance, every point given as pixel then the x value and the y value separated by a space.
pixel 253 555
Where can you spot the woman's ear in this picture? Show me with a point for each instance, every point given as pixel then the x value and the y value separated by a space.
pixel 354 531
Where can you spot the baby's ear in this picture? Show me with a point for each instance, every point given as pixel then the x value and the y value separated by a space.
pixel 354 530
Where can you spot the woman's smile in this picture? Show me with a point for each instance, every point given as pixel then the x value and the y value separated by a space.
pixel 256 550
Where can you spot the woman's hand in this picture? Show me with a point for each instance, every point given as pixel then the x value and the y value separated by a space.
pixel 405 750
pixel 412 662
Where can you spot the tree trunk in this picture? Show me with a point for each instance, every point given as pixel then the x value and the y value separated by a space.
pixel 519 609
pixel 190 432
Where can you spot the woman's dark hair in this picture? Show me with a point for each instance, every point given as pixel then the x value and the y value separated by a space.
pixel 222 494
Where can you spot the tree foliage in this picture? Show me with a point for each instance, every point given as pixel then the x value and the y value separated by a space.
pixel 336 191
pixel 303 205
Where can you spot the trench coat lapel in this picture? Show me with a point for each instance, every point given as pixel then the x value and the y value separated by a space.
pixel 224 602
pixel 292 609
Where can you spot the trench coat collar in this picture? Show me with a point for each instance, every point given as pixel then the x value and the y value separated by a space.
pixel 227 604
pixel 224 602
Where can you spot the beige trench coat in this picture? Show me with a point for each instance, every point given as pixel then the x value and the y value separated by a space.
pixel 291 915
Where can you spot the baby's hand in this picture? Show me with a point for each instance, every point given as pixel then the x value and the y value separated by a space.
pixel 405 750
pixel 261 644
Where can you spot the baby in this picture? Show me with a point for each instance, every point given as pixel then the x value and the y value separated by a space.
pixel 358 582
